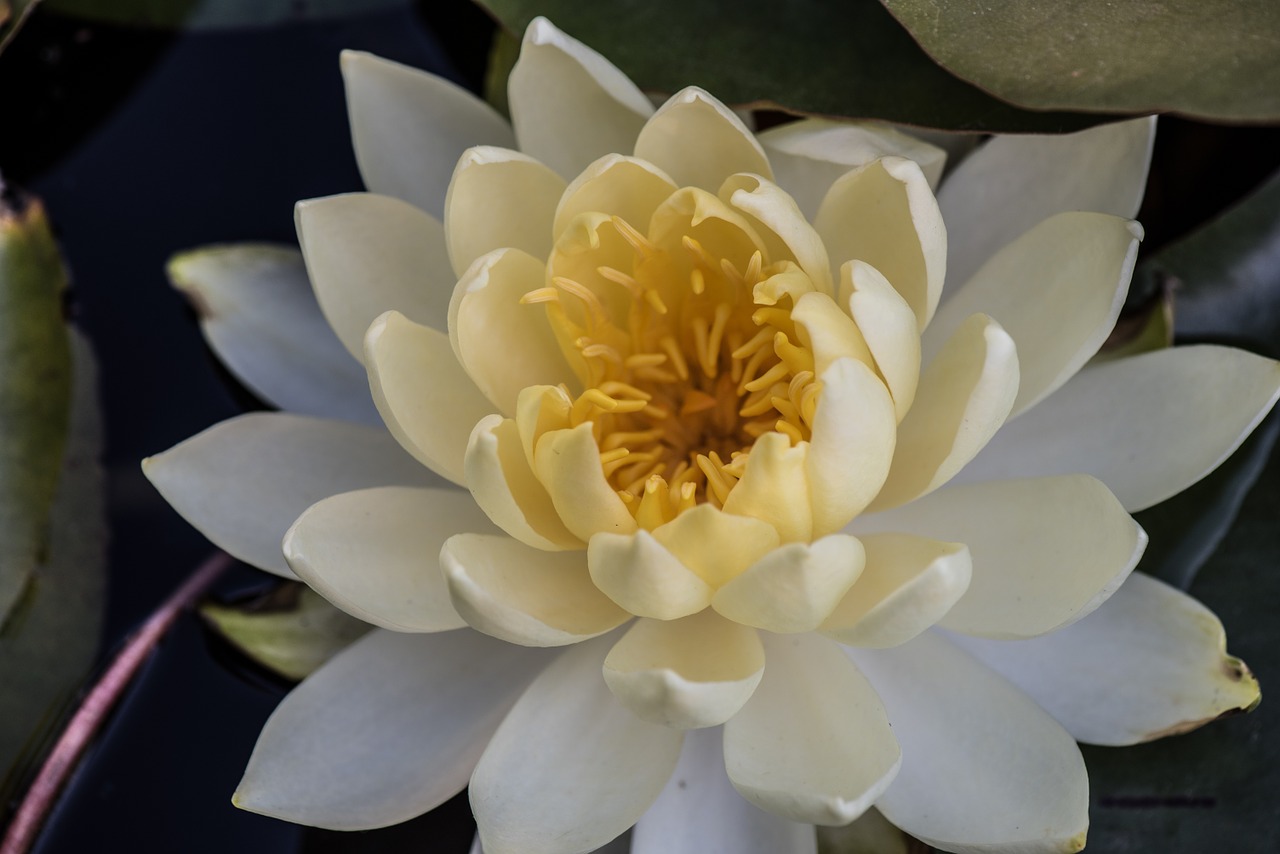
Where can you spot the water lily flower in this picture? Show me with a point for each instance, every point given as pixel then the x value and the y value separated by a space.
pixel 755 524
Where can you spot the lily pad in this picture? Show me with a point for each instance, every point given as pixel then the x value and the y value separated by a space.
pixel 1213 59
pixel 804 56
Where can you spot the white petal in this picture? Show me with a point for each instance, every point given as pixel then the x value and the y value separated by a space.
pixel 499 199
pixel 1015 181
pixel 984 769
pixel 503 345
pixel 571 767
pixel 525 595
pixel 964 396
pixel 714 544
pixel 368 254
pixel 569 104
pixel 699 142
pixel 374 553
pixel 1148 426
pixel 699 812
pixel 1150 662
pixel 409 128
pixel 1046 551
pixel 260 316
pixel 809 155
pixel 775 213
pixel 884 214
pixel 638 573
pixel 813 743
pixel 243 482
pixel 386 730
pixel 567 463
pixel 888 326
pixel 795 587
pixel 775 487
pixel 424 396
pixel 616 185
pixel 687 673
pixel 908 584
pixel 1057 290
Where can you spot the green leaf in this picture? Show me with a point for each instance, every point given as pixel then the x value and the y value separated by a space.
pixel 1213 59
pixel 214 14
pixel 806 56
pixel 502 58
pixel 291 630
pixel 1148 326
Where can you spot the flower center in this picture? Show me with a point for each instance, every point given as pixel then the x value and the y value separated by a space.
pixel 687 356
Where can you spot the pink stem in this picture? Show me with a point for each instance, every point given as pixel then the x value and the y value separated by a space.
pixel 98 703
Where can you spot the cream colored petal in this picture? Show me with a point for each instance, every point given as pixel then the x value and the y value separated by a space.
pixel 259 314
pixel 499 198
pixel 539 410
pixel 829 333
pixel 984 769
pixel 854 434
pixel 424 396
pixel 638 573
pixel 1150 662
pixel 567 463
pixel 774 212
pixel 409 128
pixel 688 673
pixel 1057 290
pixel 387 729
pixel 795 587
pixel 616 185
pixel 368 254
pixel 374 553
pixel 699 812
pixel 524 595
pixel 1046 551
pixel 504 485
pixel 504 345
pixel 908 584
pixel 813 743
pixel 243 482
pixel 775 487
pixel 699 142
pixel 569 104
pixel 1147 426
pixel 714 544
pixel 964 396
pixel 809 155
pixel 884 214
pixel 888 327
pixel 605 766
pixel 1015 181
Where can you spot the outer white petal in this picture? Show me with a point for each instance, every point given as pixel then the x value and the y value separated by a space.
pixel 888 326
pixel 368 254
pixel 606 765
pixel 638 573
pixel 1057 290
pixel 499 198
pixel 1015 181
pixel 884 214
pixel 525 595
pixel 813 743
pixel 424 396
pixel 984 769
pixel 569 104
pixel 373 553
pixel 699 812
pixel 386 730
pixel 260 316
pixel 243 482
pixel 1150 662
pixel 964 396
pixel 699 142
pixel 687 673
pixel 1046 551
pixel 409 128
pixel 1148 426
pixel 809 155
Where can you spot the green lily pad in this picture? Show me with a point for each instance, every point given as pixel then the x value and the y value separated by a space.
pixel 214 14
pixel 1213 59
pixel 804 56
pixel 291 631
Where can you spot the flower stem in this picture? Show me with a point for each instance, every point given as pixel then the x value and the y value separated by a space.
pixel 97 704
